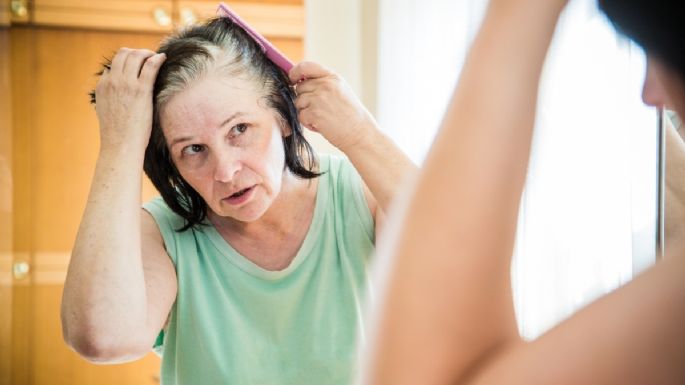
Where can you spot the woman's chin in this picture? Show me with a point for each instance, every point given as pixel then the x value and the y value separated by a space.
pixel 247 213
pixel 247 217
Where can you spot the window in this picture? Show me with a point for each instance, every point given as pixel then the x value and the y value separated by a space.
pixel 588 211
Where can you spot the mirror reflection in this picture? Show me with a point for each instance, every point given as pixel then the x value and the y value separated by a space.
pixel 209 213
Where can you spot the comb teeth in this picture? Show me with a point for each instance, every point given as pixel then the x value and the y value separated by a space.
pixel 223 11
pixel 269 50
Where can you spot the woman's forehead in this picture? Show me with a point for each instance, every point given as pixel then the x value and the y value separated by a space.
pixel 210 101
pixel 216 94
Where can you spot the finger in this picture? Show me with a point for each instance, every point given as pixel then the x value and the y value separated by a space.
pixel 307 113
pixel 151 67
pixel 303 102
pixel 307 70
pixel 304 118
pixel 307 87
pixel 118 61
pixel 134 63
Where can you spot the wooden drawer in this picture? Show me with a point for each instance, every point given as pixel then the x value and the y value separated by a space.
pixel 126 15
pixel 4 13
pixel 279 20
pixel 13 11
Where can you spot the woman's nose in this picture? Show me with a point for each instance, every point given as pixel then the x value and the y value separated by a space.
pixel 653 93
pixel 227 165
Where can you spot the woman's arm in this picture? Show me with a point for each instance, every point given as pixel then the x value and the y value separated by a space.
pixel 326 104
pixel 632 336
pixel 448 310
pixel 121 283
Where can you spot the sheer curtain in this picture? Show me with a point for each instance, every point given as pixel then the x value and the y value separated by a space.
pixel 421 47
pixel 590 194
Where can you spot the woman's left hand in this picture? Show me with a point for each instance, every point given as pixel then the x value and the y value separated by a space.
pixel 327 104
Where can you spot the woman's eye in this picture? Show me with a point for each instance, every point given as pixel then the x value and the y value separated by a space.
pixel 193 149
pixel 239 129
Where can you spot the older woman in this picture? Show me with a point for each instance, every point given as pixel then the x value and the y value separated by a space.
pixel 448 317
pixel 250 267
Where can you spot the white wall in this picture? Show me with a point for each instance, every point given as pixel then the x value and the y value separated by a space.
pixel 342 35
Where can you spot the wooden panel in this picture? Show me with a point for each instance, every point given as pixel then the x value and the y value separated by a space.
pixel 5 211
pixel 21 335
pixel 22 115
pixel 5 146
pixel 55 144
pixel 292 48
pixel 49 268
pixel 271 20
pixel 21 57
pixel 66 137
pixel 4 16
pixel 128 15
pixel 19 11
pixel 54 363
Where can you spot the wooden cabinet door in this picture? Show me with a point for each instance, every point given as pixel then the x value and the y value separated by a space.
pixel 5 210
pixel 48 146
pixel 55 142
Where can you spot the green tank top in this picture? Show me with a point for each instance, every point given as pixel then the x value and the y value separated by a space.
pixel 236 323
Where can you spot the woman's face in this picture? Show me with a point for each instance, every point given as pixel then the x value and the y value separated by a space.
pixel 663 87
pixel 226 144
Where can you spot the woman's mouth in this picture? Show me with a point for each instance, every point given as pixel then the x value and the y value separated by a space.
pixel 240 197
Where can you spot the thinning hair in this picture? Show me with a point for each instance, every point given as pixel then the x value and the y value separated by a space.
pixel 217 46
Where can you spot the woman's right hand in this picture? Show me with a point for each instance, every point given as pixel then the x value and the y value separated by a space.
pixel 124 97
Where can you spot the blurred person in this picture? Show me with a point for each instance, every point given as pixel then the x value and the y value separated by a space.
pixel 447 313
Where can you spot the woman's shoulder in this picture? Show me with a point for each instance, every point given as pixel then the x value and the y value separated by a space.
pixel 159 209
pixel 169 223
pixel 346 190
pixel 335 166
pixel 167 220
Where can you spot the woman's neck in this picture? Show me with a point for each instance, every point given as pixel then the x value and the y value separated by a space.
pixel 272 241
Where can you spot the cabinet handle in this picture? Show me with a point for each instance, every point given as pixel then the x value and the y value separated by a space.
pixel 19 8
pixel 188 16
pixel 21 270
pixel 161 16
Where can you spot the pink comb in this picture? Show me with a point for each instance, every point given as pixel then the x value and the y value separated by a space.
pixel 271 52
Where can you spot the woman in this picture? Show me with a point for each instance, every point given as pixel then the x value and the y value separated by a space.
pixel 252 263
pixel 448 316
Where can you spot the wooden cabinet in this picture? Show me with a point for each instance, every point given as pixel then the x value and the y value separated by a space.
pixel 282 20
pixel 48 146
pixel 4 13
pixel 5 205
pixel 54 136
pixel 275 18
pixel 126 15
